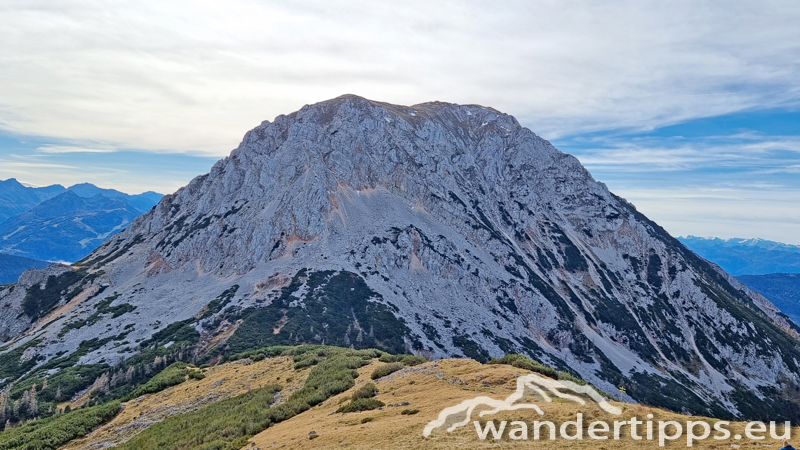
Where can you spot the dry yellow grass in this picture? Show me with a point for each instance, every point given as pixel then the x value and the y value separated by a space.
pixel 221 382
pixel 428 388
pixel 437 385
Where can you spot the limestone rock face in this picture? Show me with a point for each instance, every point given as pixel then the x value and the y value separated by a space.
pixel 13 320
pixel 473 233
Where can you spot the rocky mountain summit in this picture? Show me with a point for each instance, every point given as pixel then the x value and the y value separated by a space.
pixel 439 229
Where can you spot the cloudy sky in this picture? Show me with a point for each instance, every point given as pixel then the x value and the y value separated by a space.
pixel 691 110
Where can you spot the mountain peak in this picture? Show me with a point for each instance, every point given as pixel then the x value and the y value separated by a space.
pixel 439 229
pixel 352 107
pixel 322 155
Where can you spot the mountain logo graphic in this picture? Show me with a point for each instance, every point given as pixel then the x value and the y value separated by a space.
pixel 543 386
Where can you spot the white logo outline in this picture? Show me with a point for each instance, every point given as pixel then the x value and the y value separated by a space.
pixel 533 381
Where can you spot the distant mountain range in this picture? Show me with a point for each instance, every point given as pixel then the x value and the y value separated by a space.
pixel 770 268
pixel 16 198
pixel 55 223
pixel 782 289
pixel 746 256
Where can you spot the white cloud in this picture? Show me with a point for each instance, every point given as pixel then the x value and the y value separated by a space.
pixel 192 76
pixel 743 212
pixel 56 149
pixel 10 165
pixel 655 154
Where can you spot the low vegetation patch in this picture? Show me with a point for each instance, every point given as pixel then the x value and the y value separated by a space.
pixel 523 362
pixel 362 404
pixel 172 375
pixel 53 432
pixel 338 308
pixel 102 307
pixel 367 391
pixel 362 400
pixel 335 374
pixel 223 425
pixel 387 369
pixel 39 302
pixel 228 424
pixel 408 360
pixel 12 365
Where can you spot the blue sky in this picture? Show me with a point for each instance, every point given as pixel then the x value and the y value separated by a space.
pixel 43 161
pixel 689 110
pixel 735 175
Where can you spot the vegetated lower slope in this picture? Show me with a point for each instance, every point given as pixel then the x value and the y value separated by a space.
pixel 416 395
pixel 52 432
pixel 747 256
pixel 782 289
pixel 253 405
pixel 220 382
pixel 435 229
pixel 11 267
pixel 217 407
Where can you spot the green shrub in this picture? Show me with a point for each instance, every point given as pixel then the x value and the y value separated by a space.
pixel 408 360
pixel 332 302
pixel 225 425
pixel 333 375
pixel 228 424
pixel 361 404
pixel 11 364
pixel 409 412
pixel 196 375
pixel 389 358
pixel 412 360
pixel 366 391
pixel 38 302
pixel 306 362
pixel 523 362
pixel 570 377
pixel 260 353
pixel 367 419
pixel 387 369
pixel 174 374
pixel 53 432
